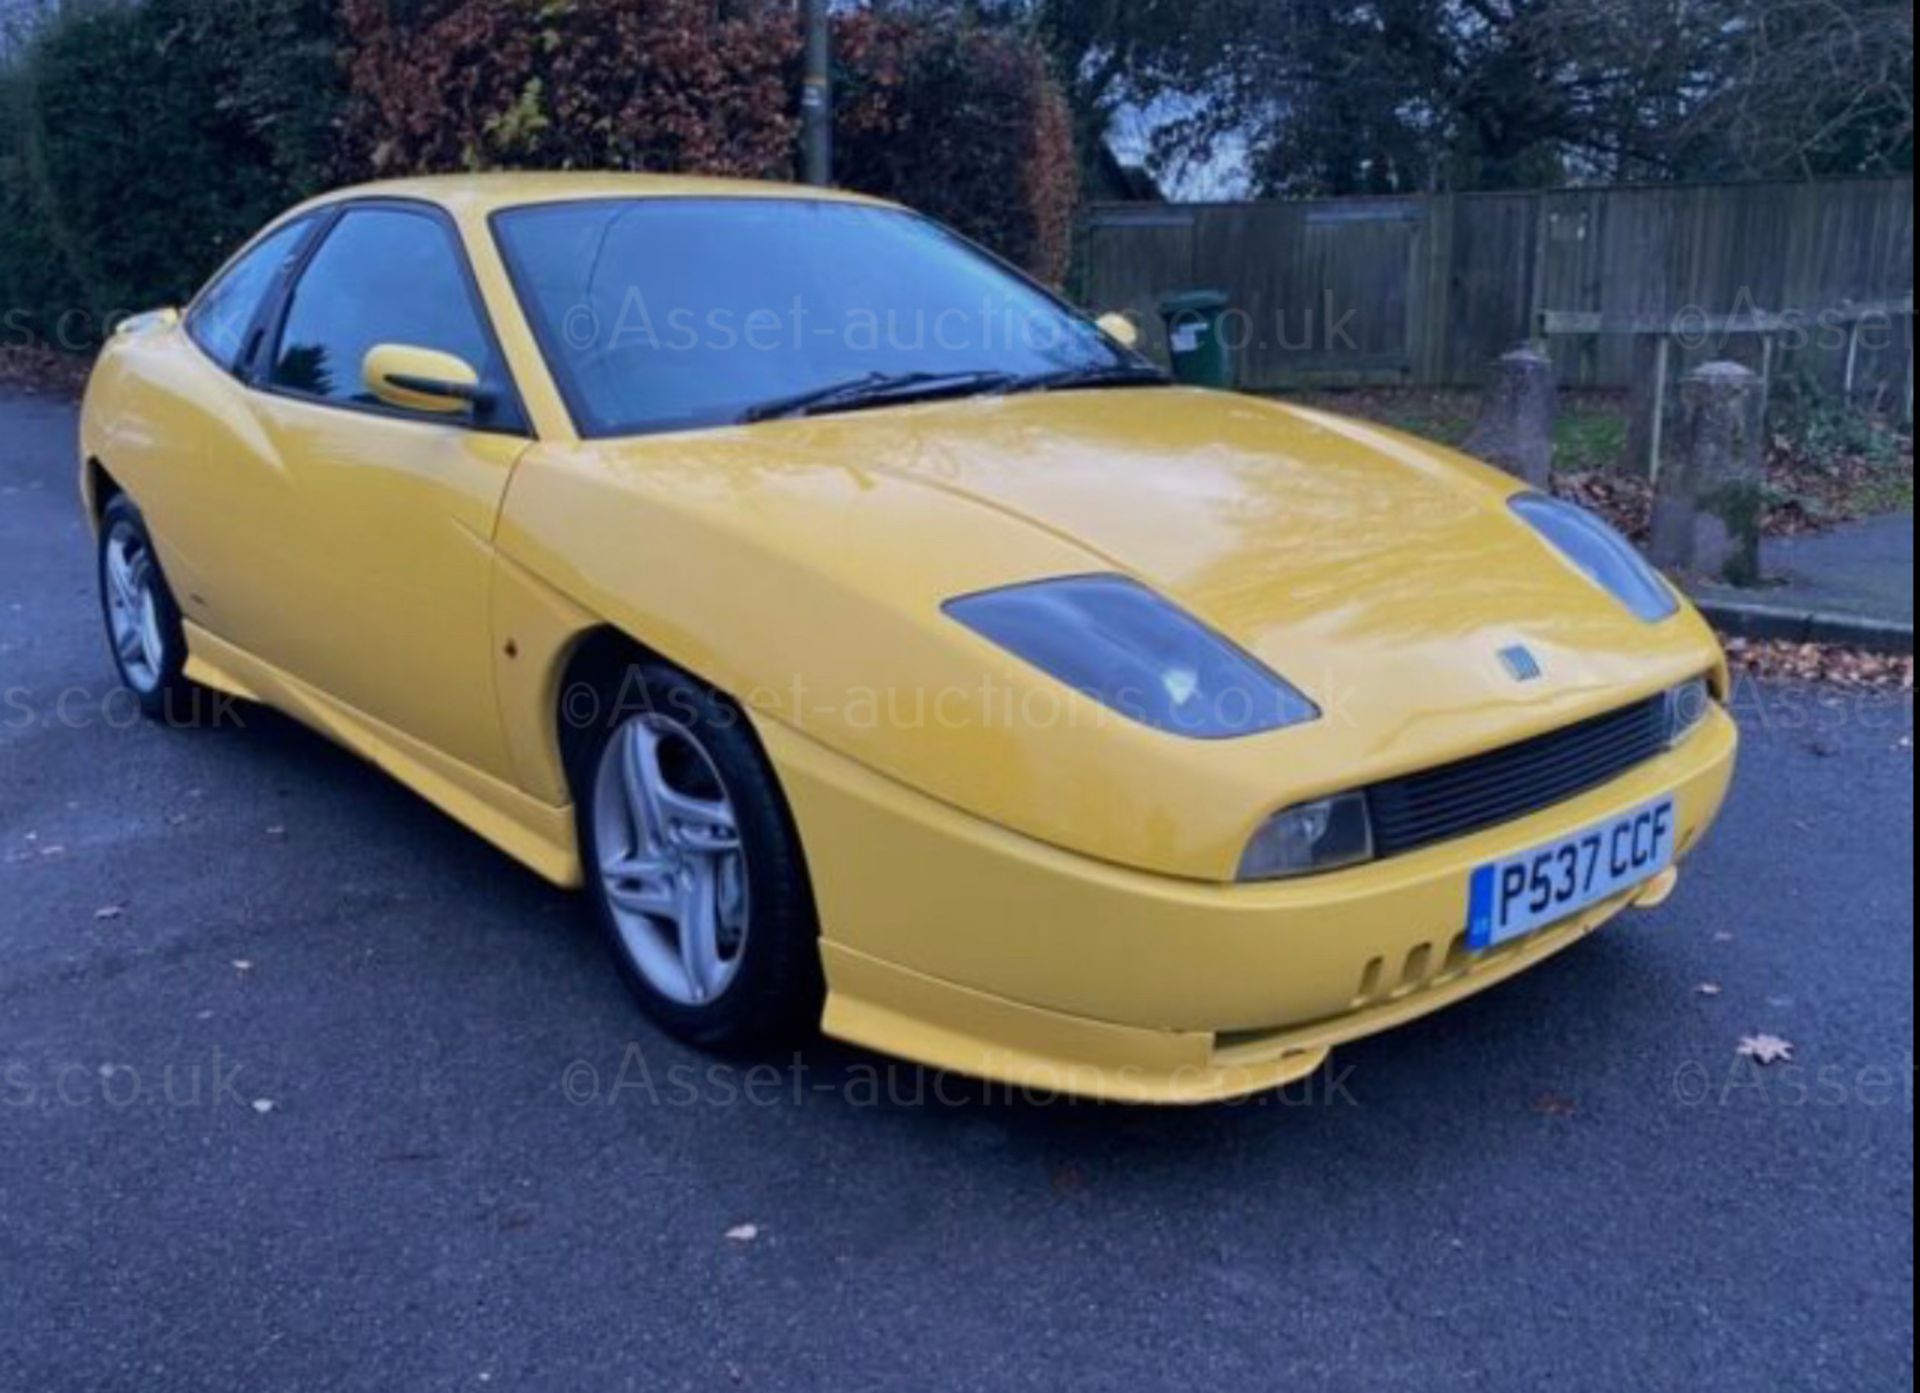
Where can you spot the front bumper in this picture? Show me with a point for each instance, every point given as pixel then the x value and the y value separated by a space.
pixel 958 944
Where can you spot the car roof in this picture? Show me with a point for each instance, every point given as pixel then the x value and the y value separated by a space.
pixel 482 194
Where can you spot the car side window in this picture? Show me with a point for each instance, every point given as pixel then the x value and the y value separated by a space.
pixel 224 314
pixel 382 276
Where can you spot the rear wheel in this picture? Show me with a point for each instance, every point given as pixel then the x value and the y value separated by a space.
pixel 692 864
pixel 144 631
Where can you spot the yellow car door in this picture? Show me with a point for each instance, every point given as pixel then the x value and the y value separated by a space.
pixel 378 556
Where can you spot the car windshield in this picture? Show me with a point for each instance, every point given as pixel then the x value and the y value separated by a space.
pixel 667 314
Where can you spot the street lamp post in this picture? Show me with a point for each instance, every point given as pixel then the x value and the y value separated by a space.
pixel 816 98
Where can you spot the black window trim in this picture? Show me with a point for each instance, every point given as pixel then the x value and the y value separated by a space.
pixel 509 414
pixel 309 223
pixel 580 418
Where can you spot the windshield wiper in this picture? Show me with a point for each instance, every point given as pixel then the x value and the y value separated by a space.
pixel 1115 375
pixel 879 389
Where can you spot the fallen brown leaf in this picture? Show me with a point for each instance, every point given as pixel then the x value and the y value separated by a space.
pixel 1554 1105
pixel 1825 664
pixel 1625 500
pixel 1766 1050
pixel 39 369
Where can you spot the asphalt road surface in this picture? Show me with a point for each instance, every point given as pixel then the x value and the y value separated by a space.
pixel 305 1088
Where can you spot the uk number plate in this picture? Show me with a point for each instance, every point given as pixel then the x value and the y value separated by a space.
pixel 1524 893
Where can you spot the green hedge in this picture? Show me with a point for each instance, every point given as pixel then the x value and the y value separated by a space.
pixel 963 122
pixel 959 119
pixel 34 284
pixel 142 140
pixel 150 139
pixel 666 85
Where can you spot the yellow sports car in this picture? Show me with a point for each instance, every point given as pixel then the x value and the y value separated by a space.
pixel 885 647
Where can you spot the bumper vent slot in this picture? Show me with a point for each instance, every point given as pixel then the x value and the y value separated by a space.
pixel 1457 800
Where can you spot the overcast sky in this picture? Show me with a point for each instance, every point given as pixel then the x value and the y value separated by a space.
pixel 1223 176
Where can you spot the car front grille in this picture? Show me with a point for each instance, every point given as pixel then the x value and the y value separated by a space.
pixel 1456 800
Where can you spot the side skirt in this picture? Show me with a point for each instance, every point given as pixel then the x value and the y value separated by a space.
pixel 540 836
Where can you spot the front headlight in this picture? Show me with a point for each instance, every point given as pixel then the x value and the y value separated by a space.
pixel 1118 642
pixel 1602 554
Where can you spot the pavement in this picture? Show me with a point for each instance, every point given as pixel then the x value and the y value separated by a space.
pixel 1853 583
pixel 302 1087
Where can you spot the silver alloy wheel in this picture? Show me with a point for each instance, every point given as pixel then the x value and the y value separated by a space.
pixel 668 851
pixel 133 609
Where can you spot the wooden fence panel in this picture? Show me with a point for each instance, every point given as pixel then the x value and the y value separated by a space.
pixel 1429 290
pixel 1486 293
pixel 1320 288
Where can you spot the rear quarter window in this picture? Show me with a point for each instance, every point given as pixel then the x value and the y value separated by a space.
pixel 224 317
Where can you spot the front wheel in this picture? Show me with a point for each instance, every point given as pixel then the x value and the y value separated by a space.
pixel 692 863
pixel 144 630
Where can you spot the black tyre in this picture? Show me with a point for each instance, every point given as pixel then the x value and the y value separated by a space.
pixel 693 867
pixel 144 632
